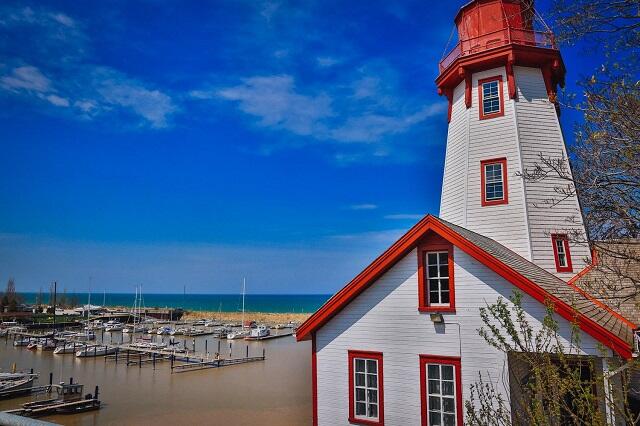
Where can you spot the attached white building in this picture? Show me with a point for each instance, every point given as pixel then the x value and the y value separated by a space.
pixel 376 345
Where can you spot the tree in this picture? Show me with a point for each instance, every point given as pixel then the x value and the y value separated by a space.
pixel 606 154
pixel 550 382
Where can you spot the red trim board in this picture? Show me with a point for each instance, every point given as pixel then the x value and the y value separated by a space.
pixel 410 240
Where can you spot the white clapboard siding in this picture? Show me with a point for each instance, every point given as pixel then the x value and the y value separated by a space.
pixel 539 132
pixel 384 318
pixel 469 141
pixel 452 201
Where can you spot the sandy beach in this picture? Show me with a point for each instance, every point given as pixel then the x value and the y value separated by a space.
pixel 259 317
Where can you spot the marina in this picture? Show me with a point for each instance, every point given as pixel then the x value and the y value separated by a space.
pixel 123 364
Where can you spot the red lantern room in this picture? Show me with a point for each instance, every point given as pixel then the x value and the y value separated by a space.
pixel 495 33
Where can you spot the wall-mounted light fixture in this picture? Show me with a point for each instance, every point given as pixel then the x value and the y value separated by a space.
pixel 437 318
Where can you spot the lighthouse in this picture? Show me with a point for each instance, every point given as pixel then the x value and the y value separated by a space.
pixel 501 83
pixel 399 343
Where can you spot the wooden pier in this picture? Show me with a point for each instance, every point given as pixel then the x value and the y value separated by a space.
pixel 270 336
pixel 216 363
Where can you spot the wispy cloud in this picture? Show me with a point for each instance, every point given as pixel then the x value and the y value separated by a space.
pixel 25 78
pixel 326 61
pixel 275 101
pixel 365 206
pixel 404 216
pixel 382 237
pixel 55 44
pixel 366 110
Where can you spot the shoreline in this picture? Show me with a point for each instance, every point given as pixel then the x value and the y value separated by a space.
pixel 258 317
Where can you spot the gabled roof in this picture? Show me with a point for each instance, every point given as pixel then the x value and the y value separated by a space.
pixel 594 318
pixel 613 279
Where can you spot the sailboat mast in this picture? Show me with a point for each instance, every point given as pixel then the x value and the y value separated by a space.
pixel 244 283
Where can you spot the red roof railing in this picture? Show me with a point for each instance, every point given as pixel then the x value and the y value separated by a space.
pixel 499 38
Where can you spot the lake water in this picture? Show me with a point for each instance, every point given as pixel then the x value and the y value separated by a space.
pixel 276 391
pixel 278 303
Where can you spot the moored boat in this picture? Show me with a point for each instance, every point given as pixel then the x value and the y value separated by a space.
pixel 260 331
pixel 90 351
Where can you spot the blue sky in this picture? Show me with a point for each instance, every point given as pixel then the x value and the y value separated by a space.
pixel 183 143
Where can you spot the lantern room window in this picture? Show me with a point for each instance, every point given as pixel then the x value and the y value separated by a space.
pixel 494 182
pixel 490 96
pixel 561 252
pixel 366 402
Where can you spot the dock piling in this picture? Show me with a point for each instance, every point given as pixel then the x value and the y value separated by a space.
pixel 50 379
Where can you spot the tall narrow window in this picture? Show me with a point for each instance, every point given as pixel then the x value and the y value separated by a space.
pixel 561 252
pixel 436 292
pixel 491 103
pixel 440 384
pixel 494 182
pixel 366 403
pixel 438 278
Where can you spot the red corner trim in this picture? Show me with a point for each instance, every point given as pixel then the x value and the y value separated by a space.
pixel 505 183
pixel 314 379
pixel 409 240
pixel 370 355
pixel 511 79
pixel 467 89
pixel 449 360
pixel 565 240
pixel 500 113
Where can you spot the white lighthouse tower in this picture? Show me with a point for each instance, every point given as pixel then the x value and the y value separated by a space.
pixel 501 81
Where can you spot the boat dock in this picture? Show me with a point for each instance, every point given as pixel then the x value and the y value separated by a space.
pixel 270 336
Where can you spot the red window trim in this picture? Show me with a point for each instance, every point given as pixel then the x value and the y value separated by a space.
pixel 423 306
pixel 565 239
pixel 367 355
pixel 314 379
pixel 500 113
pixel 505 184
pixel 435 359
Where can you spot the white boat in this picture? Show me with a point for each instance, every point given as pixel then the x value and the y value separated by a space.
pixel 69 348
pixel 24 342
pixel 16 330
pixel 87 335
pixel 260 331
pixel 178 331
pixel 23 384
pixel 212 323
pixel 163 330
pixel 135 329
pixel 90 351
pixel 46 345
pixel 94 325
pixel 113 326
pixel 238 334
pixel 15 376
pixel 200 322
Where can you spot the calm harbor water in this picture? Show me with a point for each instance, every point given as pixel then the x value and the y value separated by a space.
pixel 274 392
pixel 277 303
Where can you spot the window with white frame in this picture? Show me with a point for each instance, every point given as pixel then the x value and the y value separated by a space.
pixel 438 278
pixel 441 395
pixel 493 182
pixel 491 97
pixel 562 253
pixel 366 388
